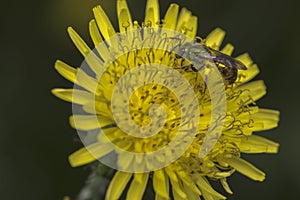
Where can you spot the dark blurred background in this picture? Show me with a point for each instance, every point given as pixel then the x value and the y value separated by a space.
pixel 36 138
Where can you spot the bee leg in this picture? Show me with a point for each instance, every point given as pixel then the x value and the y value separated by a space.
pixel 186 67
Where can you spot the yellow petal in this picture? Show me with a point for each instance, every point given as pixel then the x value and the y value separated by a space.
pixel 267 114
pixel 257 144
pixel 97 40
pixel 205 187
pixel 175 182
pixel 95 64
pixel 152 13
pixel 257 89
pixel 160 183
pixel 94 32
pixel 245 59
pixel 125 159
pixel 124 16
pixel 177 191
pixel 89 122
pixel 191 195
pixel 79 43
pixel 66 70
pixel 266 124
pixel 171 174
pixel 97 107
pixel 157 197
pixel 207 196
pixel 192 23
pixel 87 82
pixel 81 97
pixel 137 188
pixel 244 167
pixel 188 181
pixel 184 16
pixel 124 145
pixel 215 38
pixel 228 49
pixel 104 24
pixel 247 75
pixel 226 186
pixel 117 185
pixel 268 119
pixel 92 60
pixel 170 19
pixel 89 154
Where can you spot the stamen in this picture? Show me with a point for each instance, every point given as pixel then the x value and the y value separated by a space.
pixel 147 24
pixel 126 26
pixel 160 23
pixel 185 30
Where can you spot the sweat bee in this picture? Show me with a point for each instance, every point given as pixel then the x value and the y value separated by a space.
pixel 227 65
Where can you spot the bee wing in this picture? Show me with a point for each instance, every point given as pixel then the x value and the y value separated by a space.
pixel 239 64
pixel 227 60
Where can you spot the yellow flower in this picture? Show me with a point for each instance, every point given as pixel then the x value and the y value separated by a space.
pixel 106 117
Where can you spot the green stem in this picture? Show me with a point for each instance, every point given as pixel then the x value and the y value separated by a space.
pixel 96 184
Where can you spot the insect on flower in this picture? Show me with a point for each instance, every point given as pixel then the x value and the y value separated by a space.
pixel 146 76
pixel 227 65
